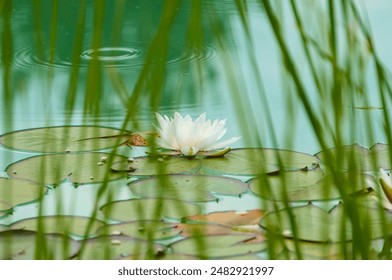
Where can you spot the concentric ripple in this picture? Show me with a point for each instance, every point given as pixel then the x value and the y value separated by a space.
pixel 111 54
pixel 133 57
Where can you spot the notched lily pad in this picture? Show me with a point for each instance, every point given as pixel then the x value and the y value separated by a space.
pixel 251 161
pixel 356 157
pixel 310 185
pixel 60 139
pixel 28 245
pixel 117 247
pixel 54 168
pixel 218 246
pixel 149 209
pixel 150 230
pixel 146 166
pixel 187 187
pixel 15 191
pixel 75 225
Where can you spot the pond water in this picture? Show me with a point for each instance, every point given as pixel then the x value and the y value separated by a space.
pixel 80 63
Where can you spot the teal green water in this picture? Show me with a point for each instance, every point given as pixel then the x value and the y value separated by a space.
pixel 55 53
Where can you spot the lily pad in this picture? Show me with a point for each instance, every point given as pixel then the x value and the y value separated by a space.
pixel 356 157
pixel 149 209
pixel 75 225
pixel 116 247
pixel 218 246
pixel 142 229
pixel 146 166
pixel 188 230
pixel 4 206
pixel 317 225
pixel 15 191
pixel 187 187
pixel 3 227
pixel 54 168
pixel 59 139
pixel 316 250
pixel 309 185
pixel 26 245
pixel 251 161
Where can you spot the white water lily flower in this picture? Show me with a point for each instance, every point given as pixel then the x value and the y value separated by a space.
pixel 184 135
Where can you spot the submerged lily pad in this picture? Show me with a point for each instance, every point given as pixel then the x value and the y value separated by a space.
pixel 28 245
pixel 187 187
pixel 356 157
pixel 146 166
pixel 15 191
pixel 142 229
pixel 317 225
pixel 149 209
pixel 251 161
pixel 117 247
pixel 218 246
pixel 309 185
pixel 54 168
pixel 60 224
pixel 64 138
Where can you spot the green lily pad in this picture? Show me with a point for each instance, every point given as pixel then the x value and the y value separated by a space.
pixel 187 187
pixel 15 191
pixel 60 139
pixel 218 246
pixel 356 157
pixel 146 166
pixel 4 206
pixel 54 168
pixel 316 250
pixel 75 225
pixel 312 223
pixel 309 185
pixel 149 209
pixel 251 161
pixel 117 247
pixel 3 227
pixel 25 245
pixel 317 225
pixel 142 229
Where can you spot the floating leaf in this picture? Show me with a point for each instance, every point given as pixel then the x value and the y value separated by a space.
pixel 312 223
pixel 3 227
pixel 187 187
pixel 59 139
pixel 357 157
pixel 25 245
pixel 317 225
pixel 60 224
pixel 115 247
pixel 250 161
pixel 15 191
pixel 54 168
pixel 149 209
pixel 146 166
pixel 143 229
pixel 188 230
pixel 218 246
pixel 309 185
pixel 4 206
